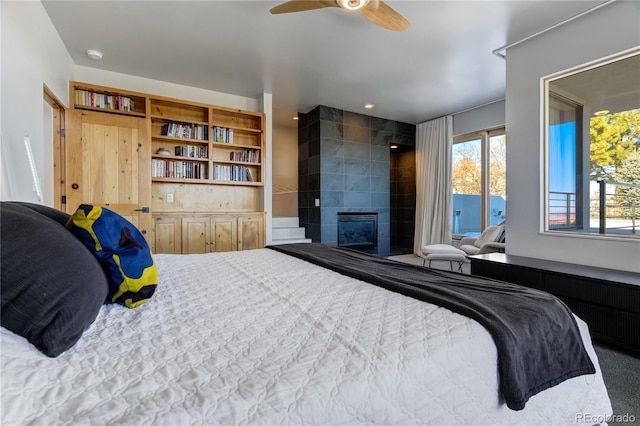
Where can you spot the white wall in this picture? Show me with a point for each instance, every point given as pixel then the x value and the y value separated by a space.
pixel 607 31
pixel 265 104
pixel 285 169
pixel 481 118
pixel 33 55
pixel 162 88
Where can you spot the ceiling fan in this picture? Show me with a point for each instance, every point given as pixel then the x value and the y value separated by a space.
pixel 375 11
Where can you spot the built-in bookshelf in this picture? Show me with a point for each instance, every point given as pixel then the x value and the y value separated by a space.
pixel 97 98
pixel 180 141
pixel 190 142
pixel 204 144
pixel 237 147
pixel 196 158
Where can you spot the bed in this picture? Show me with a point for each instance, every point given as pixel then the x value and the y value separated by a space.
pixel 264 337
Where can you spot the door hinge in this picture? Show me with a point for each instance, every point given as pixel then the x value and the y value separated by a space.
pixel 63 199
pixel 62 133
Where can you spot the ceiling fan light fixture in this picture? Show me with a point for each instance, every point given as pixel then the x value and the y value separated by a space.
pixel 352 4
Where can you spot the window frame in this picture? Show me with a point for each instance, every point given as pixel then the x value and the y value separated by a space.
pixel 582 152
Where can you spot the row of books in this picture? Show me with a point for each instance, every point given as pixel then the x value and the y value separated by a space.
pixel 222 134
pixel 191 151
pixel 232 173
pixel 248 155
pixel 186 131
pixel 100 100
pixel 177 169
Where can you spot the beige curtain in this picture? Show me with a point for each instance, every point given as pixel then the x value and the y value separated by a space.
pixel 434 141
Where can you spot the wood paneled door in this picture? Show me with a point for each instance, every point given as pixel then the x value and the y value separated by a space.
pixel 108 164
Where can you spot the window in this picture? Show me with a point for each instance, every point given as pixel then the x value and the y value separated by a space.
pixel 592 146
pixel 565 167
pixel 479 181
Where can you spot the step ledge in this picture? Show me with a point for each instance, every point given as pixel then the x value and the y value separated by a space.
pixel 290 241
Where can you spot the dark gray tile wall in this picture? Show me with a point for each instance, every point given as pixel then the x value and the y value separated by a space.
pixel 344 162
pixel 403 198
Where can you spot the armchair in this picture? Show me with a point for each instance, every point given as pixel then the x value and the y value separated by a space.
pixel 491 240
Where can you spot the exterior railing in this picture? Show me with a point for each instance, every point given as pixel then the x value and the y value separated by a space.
pixel 618 210
pixel 615 209
pixel 562 209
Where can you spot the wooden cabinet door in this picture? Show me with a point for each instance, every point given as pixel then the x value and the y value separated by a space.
pixel 250 232
pixel 196 235
pixel 224 233
pixel 108 164
pixel 167 235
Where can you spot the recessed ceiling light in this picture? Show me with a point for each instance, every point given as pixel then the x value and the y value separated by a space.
pixel 394 146
pixel 602 112
pixel 369 106
pixel 94 54
pixel 295 117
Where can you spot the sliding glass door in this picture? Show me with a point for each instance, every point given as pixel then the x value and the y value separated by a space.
pixel 479 181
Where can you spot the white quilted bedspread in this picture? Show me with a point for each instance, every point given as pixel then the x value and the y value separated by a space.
pixel 258 337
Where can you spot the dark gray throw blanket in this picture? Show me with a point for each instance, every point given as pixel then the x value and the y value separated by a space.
pixel 538 340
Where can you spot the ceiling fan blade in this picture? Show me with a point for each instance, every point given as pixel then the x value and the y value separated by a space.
pixel 384 16
pixel 302 5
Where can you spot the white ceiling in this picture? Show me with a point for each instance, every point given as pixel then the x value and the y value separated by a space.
pixel 442 64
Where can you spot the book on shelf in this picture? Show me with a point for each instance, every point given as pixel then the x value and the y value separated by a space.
pixel 185 131
pixel 177 169
pixel 248 156
pixel 222 134
pixel 191 151
pixel 102 100
pixel 231 173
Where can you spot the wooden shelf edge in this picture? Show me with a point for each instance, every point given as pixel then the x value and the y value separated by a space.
pixel 180 180
pixel 233 183
pixel 179 158
pixel 241 163
pixel 111 111
pixel 238 128
pixel 205 182
pixel 174 139
pixel 177 120
pixel 233 145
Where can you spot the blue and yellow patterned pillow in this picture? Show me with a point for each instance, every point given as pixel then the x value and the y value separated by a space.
pixel 121 250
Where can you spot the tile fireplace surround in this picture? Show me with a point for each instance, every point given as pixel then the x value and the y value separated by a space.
pixel 345 165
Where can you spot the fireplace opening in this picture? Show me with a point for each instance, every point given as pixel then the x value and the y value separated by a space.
pixel 358 230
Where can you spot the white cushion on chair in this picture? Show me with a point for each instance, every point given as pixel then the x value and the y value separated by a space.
pixel 469 249
pixel 490 235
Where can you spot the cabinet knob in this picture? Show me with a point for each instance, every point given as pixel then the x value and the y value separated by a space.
pixel 74 186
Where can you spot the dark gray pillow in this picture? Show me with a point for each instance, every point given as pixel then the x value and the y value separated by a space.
pixel 61 217
pixel 52 286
